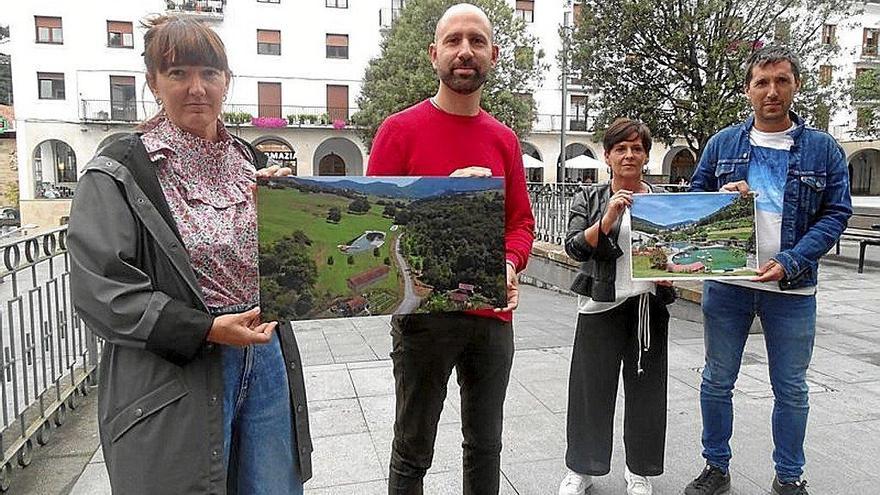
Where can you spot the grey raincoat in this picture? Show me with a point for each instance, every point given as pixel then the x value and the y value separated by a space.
pixel 160 401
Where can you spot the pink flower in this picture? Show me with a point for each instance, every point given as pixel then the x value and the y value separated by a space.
pixel 270 122
pixel 339 124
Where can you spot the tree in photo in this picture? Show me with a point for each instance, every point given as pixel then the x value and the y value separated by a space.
pixel 359 206
pixel 389 211
pixel 402 75
pixel 679 66
pixel 334 215
pixel 287 277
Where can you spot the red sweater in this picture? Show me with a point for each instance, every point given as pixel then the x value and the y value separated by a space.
pixel 424 140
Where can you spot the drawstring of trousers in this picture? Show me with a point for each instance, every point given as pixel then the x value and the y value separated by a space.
pixel 643 328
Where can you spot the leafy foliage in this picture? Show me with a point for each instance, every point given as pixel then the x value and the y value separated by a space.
pixel 402 74
pixel 287 278
pixel 443 230
pixel 359 205
pixel 679 66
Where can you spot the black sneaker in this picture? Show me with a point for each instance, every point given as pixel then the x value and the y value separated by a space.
pixel 793 488
pixel 712 481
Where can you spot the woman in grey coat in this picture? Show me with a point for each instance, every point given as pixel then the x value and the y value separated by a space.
pixel 197 394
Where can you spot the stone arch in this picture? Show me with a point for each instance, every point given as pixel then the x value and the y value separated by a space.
pixel 679 162
pixel 864 172
pixel 54 169
pixel 342 150
pixel 573 150
pixel 279 149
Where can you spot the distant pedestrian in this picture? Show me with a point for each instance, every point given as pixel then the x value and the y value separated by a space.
pixel 803 205
pixel 621 322
pixel 449 134
pixel 195 395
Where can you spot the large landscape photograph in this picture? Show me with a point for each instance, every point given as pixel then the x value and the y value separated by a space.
pixel 693 236
pixel 335 247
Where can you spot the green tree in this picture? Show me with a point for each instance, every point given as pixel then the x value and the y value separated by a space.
pixel 865 95
pixel 376 252
pixel 334 216
pixel 330 260
pixel 402 74
pixel 350 259
pixel 389 211
pixel 679 66
pixel 359 205
pixel 5 79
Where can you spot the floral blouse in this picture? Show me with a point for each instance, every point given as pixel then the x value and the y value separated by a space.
pixel 208 187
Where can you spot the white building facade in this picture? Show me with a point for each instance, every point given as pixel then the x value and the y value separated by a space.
pixel 78 78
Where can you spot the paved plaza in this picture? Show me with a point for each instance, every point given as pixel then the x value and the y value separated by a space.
pixel 350 392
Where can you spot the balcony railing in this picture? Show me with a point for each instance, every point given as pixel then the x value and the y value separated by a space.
pixel 553 123
pixel 111 111
pixel 207 9
pixel 292 115
pixel 48 355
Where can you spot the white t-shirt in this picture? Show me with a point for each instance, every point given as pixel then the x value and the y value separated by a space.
pixel 624 286
pixel 768 169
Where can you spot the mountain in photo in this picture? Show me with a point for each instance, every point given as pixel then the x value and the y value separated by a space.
pixel 424 187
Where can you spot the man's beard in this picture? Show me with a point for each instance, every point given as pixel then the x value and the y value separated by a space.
pixel 463 85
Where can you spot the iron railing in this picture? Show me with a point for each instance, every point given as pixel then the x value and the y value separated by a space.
pixel 47 355
pixel 116 111
pixel 550 205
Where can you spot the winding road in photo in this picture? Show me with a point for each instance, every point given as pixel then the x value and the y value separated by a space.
pixel 410 299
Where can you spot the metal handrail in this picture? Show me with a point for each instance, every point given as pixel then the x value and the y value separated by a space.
pixel 47 355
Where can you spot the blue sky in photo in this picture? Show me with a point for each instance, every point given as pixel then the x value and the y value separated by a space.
pixel 666 209
pixel 399 181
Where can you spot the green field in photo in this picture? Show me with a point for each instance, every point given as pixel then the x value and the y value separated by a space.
pixel 283 211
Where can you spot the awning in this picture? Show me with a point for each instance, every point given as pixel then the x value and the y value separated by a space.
pixel 584 161
pixel 531 162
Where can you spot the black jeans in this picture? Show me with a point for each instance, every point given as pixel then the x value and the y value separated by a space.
pixel 603 341
pixel 425 349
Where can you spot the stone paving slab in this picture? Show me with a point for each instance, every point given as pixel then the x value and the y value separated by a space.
pixel 350 391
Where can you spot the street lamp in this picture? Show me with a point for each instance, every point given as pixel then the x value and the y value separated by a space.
pixel 560 177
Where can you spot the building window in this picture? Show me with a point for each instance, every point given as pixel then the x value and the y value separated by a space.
pixel 828 34
pixel 526 10
pixel 869 41
pixel 578 113
pixel 269 99
pixel 337 46
pixel 268 42
pixel 48 30
pixel 337 102
pixel 123 105
pixel 826 72
pixel 51 85
pixel 120 34
pixel 336 4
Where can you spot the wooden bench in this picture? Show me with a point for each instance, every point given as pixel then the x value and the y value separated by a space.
pixel 864 232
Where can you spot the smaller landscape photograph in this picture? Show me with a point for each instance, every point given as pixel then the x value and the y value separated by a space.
pixel 339 247
pixel 698 236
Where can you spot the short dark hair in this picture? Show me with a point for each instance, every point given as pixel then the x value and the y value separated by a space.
pixel 622 129
pixel 772 54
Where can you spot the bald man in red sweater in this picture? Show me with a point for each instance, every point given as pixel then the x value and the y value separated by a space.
pixel 449 134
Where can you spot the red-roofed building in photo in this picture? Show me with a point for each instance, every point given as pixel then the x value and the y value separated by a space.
pixel 362 280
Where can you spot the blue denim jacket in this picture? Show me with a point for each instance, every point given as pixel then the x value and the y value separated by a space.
pixel 816 202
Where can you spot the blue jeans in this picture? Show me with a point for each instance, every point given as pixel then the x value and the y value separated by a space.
pixel 789 323
pixel 257 421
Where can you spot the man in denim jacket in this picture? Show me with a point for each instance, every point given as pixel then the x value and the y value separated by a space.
pixel 803 204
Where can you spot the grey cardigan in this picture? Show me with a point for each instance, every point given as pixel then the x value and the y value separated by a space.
pixel 598 270
pixel 160 407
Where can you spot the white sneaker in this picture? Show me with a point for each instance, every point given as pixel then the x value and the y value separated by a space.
pixel 637 485
pixel 575 483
